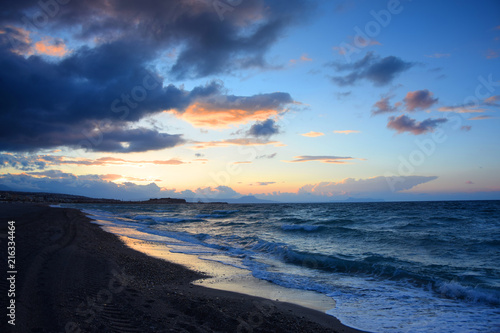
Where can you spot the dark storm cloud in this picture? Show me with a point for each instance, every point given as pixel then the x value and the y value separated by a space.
pixel 47 105
pixel 93 96
pixel 214 39
pixel 379 71
pixel 264 129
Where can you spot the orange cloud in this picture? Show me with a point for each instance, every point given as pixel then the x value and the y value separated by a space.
pixel 103 161
pixel 346 132
pixel 481 117
pixel 22 37
pixel 51 48
pixel 236 142
pixel 221 111
pixel 47 45
pixel 460 109
pixel 303 57
pixel 113 177
pixel 205 115
pixel 313 134
pixel 322 159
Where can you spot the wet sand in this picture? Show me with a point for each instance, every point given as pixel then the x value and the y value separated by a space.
pixel 75 277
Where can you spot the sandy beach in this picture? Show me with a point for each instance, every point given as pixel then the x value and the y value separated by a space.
pixel 74 277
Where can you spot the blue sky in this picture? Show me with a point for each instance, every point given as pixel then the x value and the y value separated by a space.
pixel 284 100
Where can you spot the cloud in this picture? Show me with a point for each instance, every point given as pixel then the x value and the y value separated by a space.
pixel 379 71
pixel 341 95
pixel 22 43
pixel 391 188
pixel 265 183
pixel 51 47
pixel 344 6
pixel 115 177
pixel 491 54
pixel 371 186
pixel 100 186
pixel 313 134
pixel 469 182
pixel 438 55
pixel 269 156
pixel 346 132
pixel 264 129
pixel 72 103
pixel 404 123
pixel 243 162
pixel 355 43
pixel 482 117
pixel 209 42
pixel 478 107
pixel 220 111
pixel 384 106
pixel 466 128
pixel 88 99
pixel 236 142
pixel 472 108
pixel 219 192
pixel 303 58
pixel 38 162
pixel 419 100
pixel 21 162
pixel 492 101
pixel 322 159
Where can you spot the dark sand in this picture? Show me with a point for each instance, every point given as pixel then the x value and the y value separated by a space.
pixel 74 277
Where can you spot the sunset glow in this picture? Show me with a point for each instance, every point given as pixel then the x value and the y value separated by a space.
pixel 286 101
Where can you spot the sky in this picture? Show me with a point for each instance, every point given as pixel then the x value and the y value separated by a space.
pixel 290 101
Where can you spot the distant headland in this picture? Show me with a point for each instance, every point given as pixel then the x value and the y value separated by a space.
pixel 57 198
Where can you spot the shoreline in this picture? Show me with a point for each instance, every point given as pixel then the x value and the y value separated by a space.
pixel 229 278
pixel 76 277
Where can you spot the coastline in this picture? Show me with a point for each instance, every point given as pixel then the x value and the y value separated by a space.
pixel 75 277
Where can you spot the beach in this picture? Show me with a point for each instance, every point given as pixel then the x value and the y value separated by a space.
pixel 74 277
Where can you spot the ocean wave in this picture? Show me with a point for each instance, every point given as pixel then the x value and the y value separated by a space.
pixel 301 227
pixel 206 216
pixel 221 211
pixel 456 290
pixel 141 217
pixel 160 219
pixel 153 219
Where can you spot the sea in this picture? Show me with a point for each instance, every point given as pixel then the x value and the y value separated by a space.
pixel 389 266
